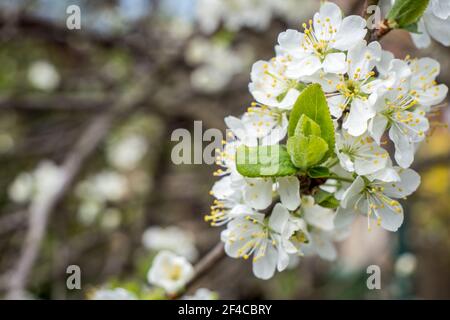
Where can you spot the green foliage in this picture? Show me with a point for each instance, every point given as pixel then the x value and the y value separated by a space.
pixel 307 127
pixel 405 13
pixel 264 161
pixel 319 172
pixel 313 104
pixel 326 199
pixel 306 151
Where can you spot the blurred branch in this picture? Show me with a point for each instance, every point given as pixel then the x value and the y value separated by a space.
pixel 54 103
pixel 39 213
pixel 58 33
pixel 203 266
pixel 11 221
pixel 431 162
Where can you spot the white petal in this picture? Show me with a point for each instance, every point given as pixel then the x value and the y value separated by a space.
pixel 264 264
pixel 409 182
pixel 385 62
pixel 283 258
pixel 352 30
pixel 319 217
pixel 421 39
pixel 433 95
pixel 377 127
pixel 304 66
pixel 438 29
pixel 222 188
pixel 363 58
pixel 440 8
pixel 278 218
pixel 335 63
pixel 404 149
pixel 390 219
pixel 258 193
pixel 236 125
pixel 328 16
pixel 289 100
pixel 360 112
pixel 290 40
pixel 387 174
pixel 344 217
pixel 352 194
pixel 289 191
pixel 336 104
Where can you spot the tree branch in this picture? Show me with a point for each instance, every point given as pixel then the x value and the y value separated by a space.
pixel 40 212
pixel 202 267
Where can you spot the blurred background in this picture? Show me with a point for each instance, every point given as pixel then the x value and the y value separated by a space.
pixel 89 113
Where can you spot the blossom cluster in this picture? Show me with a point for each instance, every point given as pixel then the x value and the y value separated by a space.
pixel 236 14
pixel 375 100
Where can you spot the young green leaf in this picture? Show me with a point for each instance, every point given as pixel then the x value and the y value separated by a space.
pixel 313 104
pixel 326 199
pixel 307 127
pixel 318 172
pixel 331 203
pixel 406 12
pixel 306 152
pixel 264 161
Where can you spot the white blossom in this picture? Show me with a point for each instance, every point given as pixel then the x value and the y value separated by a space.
pixel 170 271
pixel 270 242
pixel 435 23
pixel 112 294
pixel 126 153
pixel 376 200
pixel 315 48
pixel 43 75
pixel 172 239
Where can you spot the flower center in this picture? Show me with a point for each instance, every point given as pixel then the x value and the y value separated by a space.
pixel 174 273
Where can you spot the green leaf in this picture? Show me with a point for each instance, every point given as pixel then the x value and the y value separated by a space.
pixel 264 161
pixel 406 12
pixel 331 203
pixel 307 127
pixel 313 104
pixel 413 28
pixel 319 172
pixel 326 199
pixel 306 152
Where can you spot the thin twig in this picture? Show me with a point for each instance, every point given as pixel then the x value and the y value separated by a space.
pixel 12 221
pixel 39 212
pixel 203 266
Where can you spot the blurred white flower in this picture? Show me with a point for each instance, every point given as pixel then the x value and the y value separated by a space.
pixel 179 28
pixel 113 294
pixel 202 294
pixel 435 24
pixel 43 76
pixel 111 219
pixel 206 79
pixel 293 10
pixel 127 152
pixel 406 264
pixel 88 211
pixel 170 271
pixel 21 190
pixel 216 63
pixel 36 186
pixel 105 186
pixel 171 238
pixel 234 14
pixel 48 179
